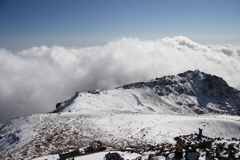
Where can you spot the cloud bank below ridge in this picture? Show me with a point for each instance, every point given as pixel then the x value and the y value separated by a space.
pixel 35 79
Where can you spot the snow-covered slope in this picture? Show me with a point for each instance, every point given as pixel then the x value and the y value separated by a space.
pixel 192 92
pixel 150 112
pixel 53 133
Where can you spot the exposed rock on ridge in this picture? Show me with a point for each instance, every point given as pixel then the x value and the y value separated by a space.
pixel 202 92
pixel 191 92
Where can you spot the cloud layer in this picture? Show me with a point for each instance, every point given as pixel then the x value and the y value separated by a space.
pixel 35 79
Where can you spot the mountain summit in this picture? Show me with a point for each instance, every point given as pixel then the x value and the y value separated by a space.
pixel 191 92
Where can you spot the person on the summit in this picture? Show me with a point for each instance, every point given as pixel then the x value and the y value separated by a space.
pixel 199 137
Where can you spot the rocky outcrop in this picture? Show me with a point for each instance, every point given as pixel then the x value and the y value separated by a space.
pixel 202 92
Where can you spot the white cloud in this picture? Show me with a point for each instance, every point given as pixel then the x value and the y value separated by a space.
pixel 35 79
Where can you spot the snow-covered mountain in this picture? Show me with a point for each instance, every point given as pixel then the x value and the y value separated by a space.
pixel 139 113
pixel 191 92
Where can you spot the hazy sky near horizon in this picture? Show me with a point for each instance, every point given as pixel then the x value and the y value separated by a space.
pixel 81 23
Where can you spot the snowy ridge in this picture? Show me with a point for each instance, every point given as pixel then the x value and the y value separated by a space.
pixel 191 92
pixel 151 112
pixel 198 91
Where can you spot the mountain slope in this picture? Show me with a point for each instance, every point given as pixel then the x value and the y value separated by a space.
pixel 139 113
pixel 191 92
pixel 54 133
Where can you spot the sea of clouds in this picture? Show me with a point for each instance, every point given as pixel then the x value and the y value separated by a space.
pixel 33 80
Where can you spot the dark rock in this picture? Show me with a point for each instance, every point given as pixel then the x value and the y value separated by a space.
pixel 58 104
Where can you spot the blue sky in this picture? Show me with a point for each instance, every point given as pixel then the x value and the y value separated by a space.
pixel 81 23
